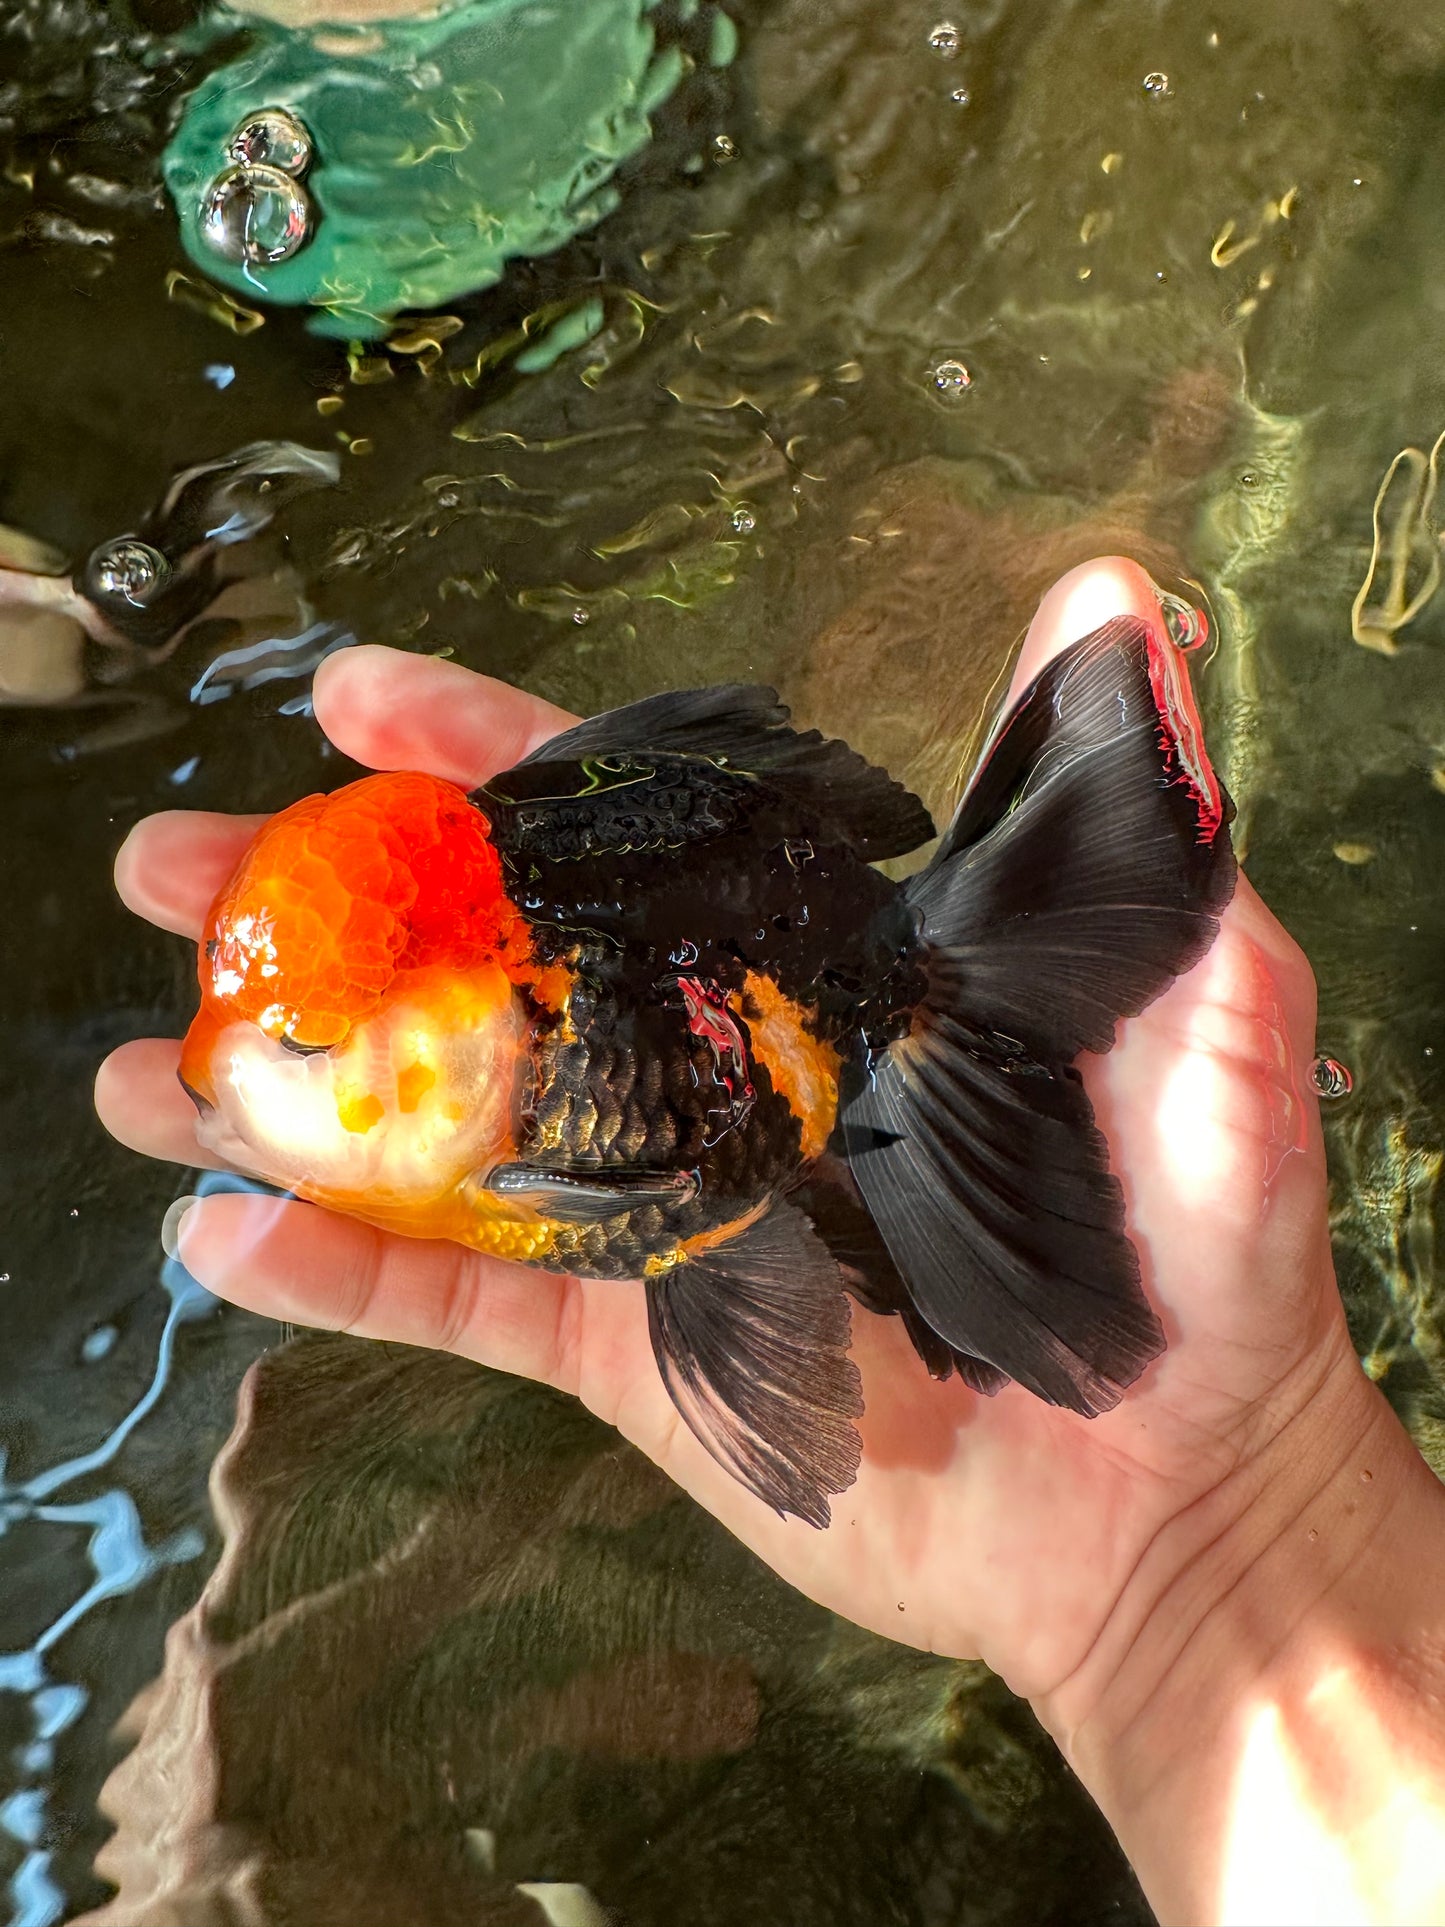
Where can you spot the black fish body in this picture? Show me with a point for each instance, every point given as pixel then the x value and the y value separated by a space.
pixel 661 1061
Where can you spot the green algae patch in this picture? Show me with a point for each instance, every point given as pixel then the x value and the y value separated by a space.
pixel 442 148
pixel 723 50
pixel 572 331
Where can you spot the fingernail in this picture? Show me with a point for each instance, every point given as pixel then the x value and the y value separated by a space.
pixel 172 1222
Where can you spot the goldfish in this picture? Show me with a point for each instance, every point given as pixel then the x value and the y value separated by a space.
pixel 644 1007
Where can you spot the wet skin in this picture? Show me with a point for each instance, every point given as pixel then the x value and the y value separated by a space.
pixel 999 1528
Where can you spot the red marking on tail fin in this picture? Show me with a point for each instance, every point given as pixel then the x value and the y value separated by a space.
pixel 1182 734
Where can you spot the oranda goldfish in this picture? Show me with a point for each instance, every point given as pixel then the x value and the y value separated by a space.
pixel 642 1007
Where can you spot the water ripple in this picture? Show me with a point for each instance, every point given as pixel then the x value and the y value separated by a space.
pixel 120 1561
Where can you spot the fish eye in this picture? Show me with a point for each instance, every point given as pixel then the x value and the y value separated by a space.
pixel 302 1050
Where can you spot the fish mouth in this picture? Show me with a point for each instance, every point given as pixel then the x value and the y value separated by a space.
pixel 204 1107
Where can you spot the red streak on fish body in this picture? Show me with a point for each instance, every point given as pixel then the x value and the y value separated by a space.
pixel 1182 734
pixel 708 1017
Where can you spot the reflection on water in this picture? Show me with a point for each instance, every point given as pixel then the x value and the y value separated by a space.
pixel 460 1643
pixel 900 314
pixel 119 1559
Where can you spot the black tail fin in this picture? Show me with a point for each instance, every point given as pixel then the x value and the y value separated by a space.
pixel 1087 868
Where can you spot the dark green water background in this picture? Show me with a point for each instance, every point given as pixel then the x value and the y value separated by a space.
pixel 457 1624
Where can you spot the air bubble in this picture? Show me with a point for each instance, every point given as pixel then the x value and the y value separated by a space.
pixel 945 40
pixel 256 216
pixel 96 1344
pixel 1157 86
pixel 1187 626
pixel 272 138
pixel 951 379
pixel 1330 1077
pixel 171 1224
pixel 127 570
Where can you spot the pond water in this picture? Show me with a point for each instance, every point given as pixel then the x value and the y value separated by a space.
pixel 904 310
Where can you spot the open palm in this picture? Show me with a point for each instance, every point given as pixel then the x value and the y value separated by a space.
pixel 999 1528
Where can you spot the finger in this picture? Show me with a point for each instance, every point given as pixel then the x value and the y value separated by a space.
pixel 1080 602
pixel 296 1262
pixel 300 1264
pixel 403 712
pixel 173 866
pixel 141 1103
pixel 391 710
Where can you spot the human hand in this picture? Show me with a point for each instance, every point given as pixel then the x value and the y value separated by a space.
pixel 1001 1528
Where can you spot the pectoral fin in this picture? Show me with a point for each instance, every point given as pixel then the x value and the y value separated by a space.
pixel 751 1338
pixel 587 1194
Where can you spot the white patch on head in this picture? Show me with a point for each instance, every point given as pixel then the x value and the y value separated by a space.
pixel 418 1096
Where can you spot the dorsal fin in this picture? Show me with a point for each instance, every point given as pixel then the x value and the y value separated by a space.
pixel 743 727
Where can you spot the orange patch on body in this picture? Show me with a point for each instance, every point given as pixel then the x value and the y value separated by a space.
pixel 704 1241
pixel 803 1069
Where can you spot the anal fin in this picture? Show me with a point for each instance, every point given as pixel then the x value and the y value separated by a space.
pixel 751 1338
